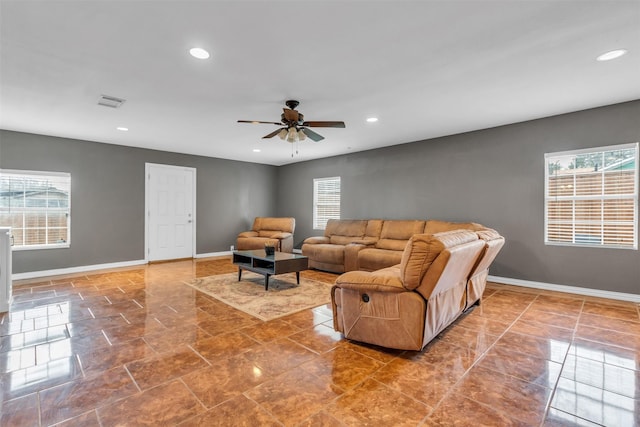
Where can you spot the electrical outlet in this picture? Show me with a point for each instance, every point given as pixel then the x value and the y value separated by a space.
pixel 232 247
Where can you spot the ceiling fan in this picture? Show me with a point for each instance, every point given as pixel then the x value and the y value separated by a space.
pixel 294 127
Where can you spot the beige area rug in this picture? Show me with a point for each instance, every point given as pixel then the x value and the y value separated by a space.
pixel 284 296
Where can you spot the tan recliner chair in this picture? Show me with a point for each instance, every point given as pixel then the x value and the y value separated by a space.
pixel 407 305
pixel 277 232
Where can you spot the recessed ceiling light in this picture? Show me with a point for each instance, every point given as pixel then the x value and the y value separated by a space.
pixel 256 150
pixel 612 54
pixel 372 119
pixel 123 129
pixel 198 52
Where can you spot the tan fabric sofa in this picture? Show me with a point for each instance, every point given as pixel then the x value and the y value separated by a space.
pixel 337 250
pixel 388 248
pixel 369 245
pixel 277 232
pixel 407 305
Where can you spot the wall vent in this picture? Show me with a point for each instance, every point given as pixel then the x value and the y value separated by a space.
pixel 110 101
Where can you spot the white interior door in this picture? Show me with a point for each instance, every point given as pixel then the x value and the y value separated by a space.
pixel 170 208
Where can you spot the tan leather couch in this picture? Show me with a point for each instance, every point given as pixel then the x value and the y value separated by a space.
pixel 277 232
pixel 407 305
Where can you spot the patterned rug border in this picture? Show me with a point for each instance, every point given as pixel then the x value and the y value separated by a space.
pixel 258 281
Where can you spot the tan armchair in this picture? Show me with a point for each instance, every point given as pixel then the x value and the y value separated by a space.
pixel 277 232
pixel 407 305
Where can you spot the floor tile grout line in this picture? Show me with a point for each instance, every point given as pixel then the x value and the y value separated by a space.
pixel 478 359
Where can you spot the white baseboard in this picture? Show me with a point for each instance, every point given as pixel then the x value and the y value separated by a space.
pixel 297 251
pixel 74 270
pixel 213 254
pixel 569 289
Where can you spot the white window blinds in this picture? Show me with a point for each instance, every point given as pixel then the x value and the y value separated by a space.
pixel 591 197
pixel 326 201
pixel 36 207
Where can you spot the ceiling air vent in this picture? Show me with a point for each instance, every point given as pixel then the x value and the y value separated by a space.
pixel 110 101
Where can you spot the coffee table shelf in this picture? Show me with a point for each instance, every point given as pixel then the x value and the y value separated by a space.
pixel 259 262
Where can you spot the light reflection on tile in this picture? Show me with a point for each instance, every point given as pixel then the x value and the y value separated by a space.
pixel 601 375
pixel 595 404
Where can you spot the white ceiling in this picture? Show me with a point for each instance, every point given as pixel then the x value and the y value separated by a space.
pixel 424 68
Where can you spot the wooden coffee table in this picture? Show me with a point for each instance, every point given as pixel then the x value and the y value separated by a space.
pixel 269 265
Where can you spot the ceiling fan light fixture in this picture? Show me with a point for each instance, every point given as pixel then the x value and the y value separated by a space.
pixel 293 135
pixel 282 134
pixel 301 135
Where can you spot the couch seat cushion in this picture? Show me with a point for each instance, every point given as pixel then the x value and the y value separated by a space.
pixel 370 259
pixel 325 253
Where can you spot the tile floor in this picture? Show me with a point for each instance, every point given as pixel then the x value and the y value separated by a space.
pixel 138 347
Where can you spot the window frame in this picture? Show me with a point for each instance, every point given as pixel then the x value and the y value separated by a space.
pixel 602 197
pixel 67 210
pixel 316 217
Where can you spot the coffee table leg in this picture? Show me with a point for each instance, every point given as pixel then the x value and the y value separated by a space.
pixel 266 282
pixel 298 277
pixel 239 274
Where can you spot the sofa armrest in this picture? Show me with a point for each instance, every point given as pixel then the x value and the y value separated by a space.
pixel 367 241
pixel 280 235
pixel 386 280
pixel 316 240
pixel 248 234
pixel 351 256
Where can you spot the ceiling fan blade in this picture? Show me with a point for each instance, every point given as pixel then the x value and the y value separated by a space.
pixel 259 122
pixel 272 134
pixel 312 135
pixel 290 115
pixel 324 124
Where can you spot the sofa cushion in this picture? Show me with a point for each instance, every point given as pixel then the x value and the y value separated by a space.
pixel 345 227
pixel 325 253
pixel 395 233
pixel 279 224
pixel 371 259
pixel 423 249
pixel 268 233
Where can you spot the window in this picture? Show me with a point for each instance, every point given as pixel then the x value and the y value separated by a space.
pixel 591 197
pixel 36 207
pixel 326 201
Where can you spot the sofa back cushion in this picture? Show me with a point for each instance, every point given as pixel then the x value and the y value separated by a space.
pixel 374 228
pixel 273 225
pixel 434 226
pixel 422 250
pixel 344 231
pixel 395 233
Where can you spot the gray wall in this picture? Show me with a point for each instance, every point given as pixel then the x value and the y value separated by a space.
pixel 107 197
pixel 493 176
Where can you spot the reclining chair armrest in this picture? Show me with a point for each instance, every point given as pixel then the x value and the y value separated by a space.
pixel 280 235
pixel 368 281
pixel 248 234
pixel 316 240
